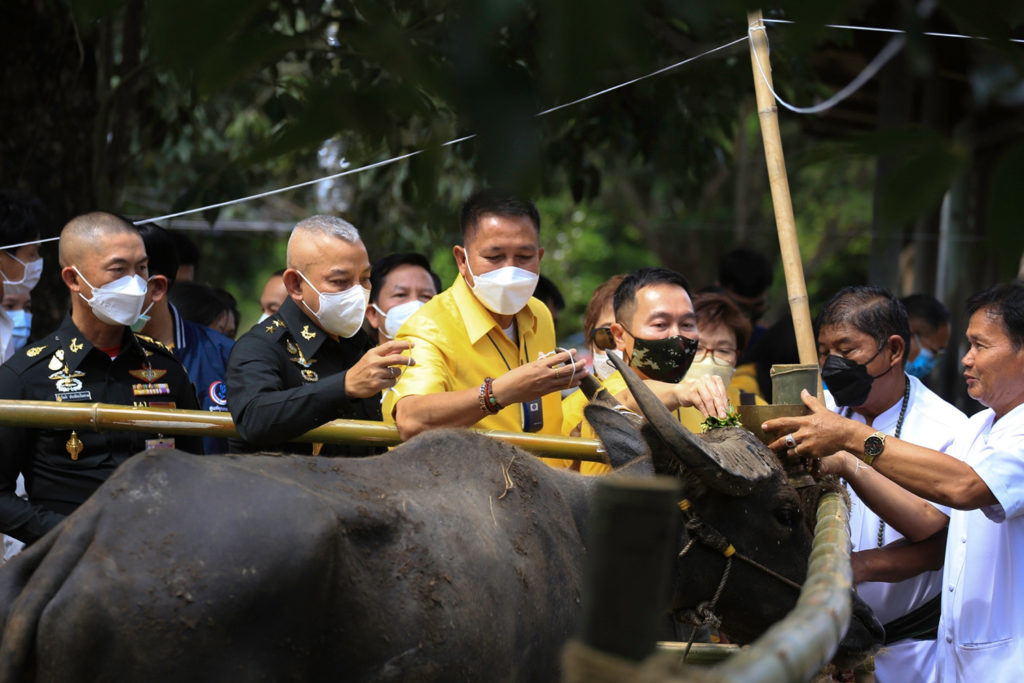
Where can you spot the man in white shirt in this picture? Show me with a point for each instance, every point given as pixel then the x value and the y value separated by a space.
pixel 981 631
pixel 862 344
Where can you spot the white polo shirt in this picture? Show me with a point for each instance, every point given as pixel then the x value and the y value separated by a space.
pixel 981 633
pixel 933 423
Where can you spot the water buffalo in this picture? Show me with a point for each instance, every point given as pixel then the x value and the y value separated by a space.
pixel 452 557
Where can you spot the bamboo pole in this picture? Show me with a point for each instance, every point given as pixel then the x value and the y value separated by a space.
pixel 768 114
pixel 116 418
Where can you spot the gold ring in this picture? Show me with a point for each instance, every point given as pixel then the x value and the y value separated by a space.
pixel 796 451
pixel 557 373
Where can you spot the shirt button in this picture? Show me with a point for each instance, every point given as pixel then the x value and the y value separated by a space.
pixel 963 539
pixel 950 589
pixel 949 639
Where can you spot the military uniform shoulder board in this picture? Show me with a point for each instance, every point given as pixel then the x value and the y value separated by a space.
pixel 148 344
pixel 273 325
pixel 40 350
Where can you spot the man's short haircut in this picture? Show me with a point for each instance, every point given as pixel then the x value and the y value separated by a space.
pixel 927 308
pixel 601 297
pixel 548 291
pixel 625 293
pixel 718 309
pixel 494 202
pixel 23 218
pixel 161 250
pixel 745 271
pixel 85 230
pixel 869 309
pixel 1006 301
pixel 331 226
pixel 379 271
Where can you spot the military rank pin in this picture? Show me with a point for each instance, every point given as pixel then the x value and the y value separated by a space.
pixel 74 445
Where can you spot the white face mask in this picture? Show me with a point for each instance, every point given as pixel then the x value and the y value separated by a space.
pixel 340 313
pixel 262 318
pixel 708 366
pixel 394 318
pixel 118 302
pixel 602 368
pixel 29 278
pixel 504 291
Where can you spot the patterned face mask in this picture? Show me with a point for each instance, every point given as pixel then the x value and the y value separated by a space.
pixel 663 360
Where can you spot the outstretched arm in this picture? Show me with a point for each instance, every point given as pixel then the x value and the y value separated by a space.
pixel 928 473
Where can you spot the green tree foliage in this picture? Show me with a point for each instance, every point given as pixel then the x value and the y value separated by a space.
pixel 149 106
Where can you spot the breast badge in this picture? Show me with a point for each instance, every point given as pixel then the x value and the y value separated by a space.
pixel 147 374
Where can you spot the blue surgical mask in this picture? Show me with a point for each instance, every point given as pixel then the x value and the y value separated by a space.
pixel 22 327
pixel 925 362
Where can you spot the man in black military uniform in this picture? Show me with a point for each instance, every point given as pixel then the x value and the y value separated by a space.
pixel 93 357
pixel 311 362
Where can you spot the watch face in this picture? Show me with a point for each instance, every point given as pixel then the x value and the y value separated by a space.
pixel 873 445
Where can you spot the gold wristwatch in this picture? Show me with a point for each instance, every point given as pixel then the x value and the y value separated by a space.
pixel 873 447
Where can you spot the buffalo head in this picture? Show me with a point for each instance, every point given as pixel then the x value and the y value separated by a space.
pixel 736 495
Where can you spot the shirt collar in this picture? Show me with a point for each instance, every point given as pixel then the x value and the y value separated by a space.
pixel 76 347
pixel 306 333
pixel 179 328
pixel 478 320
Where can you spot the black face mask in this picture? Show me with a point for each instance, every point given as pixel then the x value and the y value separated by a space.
pixel 663 360
pixel 848 381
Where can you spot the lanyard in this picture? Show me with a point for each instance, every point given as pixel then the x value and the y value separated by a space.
pixel 526 349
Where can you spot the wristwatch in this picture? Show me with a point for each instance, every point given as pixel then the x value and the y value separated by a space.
pixel 873 447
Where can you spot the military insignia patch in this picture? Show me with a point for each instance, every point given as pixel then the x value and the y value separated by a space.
pixel 158 389
pixel 274 324
pixel 35 351
pixel 290 347
pixel 75 345
pixel 147 374
pixel 309 375
pixel 306 334
pixel 69 384
pixel 55 363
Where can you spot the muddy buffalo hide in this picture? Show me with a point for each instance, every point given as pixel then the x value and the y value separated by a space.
pixel 452 557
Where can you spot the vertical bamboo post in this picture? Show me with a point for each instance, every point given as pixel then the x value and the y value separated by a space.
pixel 768 114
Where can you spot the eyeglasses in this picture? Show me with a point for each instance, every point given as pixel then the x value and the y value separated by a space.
pixel 724 355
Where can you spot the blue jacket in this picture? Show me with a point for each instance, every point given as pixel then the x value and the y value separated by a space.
pixel 204 353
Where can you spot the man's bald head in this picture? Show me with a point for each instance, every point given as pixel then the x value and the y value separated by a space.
pixel 304 245
pixel 84 235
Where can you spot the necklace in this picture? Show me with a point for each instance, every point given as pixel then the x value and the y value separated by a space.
pixel 896 434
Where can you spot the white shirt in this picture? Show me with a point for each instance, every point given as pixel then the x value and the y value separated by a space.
pixel 933 423
pixel 981 633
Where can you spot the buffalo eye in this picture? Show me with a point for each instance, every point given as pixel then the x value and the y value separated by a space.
pixel 787 516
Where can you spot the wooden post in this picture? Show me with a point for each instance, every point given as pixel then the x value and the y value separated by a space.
pixel 769 116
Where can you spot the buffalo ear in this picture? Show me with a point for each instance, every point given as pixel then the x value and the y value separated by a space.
pixel 619 431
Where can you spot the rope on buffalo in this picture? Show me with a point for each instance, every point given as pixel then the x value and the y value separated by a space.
pixel 703 614
pixel 584 664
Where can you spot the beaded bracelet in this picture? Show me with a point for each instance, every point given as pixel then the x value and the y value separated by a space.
pixel 483 397
pixel 492 402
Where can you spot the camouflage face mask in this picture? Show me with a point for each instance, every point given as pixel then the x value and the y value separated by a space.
pixel 663 360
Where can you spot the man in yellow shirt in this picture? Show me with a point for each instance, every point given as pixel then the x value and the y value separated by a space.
pixel 655 328
pixel 479 346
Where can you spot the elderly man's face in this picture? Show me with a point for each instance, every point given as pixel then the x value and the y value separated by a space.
pixel 405 283
pixel 333 265
pixel 993 368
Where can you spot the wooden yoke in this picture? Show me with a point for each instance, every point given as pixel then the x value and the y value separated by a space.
pixel 788 243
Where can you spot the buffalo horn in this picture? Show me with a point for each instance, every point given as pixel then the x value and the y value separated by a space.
pixel 732 472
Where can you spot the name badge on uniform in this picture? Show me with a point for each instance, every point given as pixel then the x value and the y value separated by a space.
pixel 159 443
pixel 157 389
pixel 533 416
